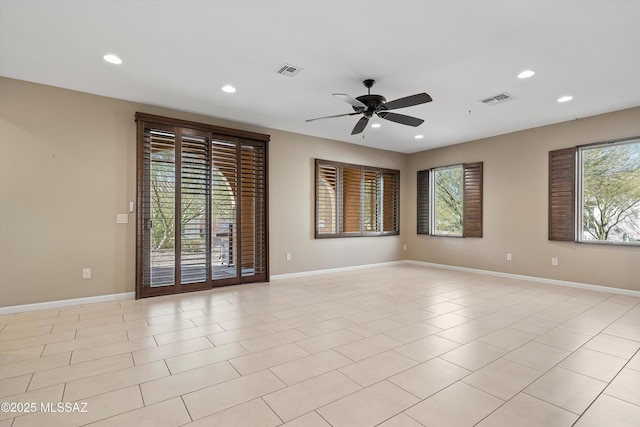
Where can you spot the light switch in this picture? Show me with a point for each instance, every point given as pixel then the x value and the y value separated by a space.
pixel 122 218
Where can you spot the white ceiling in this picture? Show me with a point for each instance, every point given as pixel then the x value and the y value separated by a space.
pixel 179 54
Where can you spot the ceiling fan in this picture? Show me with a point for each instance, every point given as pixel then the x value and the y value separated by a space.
pixel 368 105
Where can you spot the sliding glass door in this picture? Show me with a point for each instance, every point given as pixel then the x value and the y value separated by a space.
pixel 202 198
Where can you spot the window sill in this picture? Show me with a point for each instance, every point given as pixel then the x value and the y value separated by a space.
pixel 609 243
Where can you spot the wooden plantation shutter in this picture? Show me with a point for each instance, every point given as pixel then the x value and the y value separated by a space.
pixel 423 201
pixel 472 202
pixel 327 201
pixel 390 202
pixel 351 201
pixel 354 200
pixel 371 206
pixel 225 201
pixel 157 160
pixel 195 197
pixel 253 195
pixel 562 194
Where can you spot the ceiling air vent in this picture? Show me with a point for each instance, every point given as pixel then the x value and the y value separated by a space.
pixel 288 70
pixel 498 99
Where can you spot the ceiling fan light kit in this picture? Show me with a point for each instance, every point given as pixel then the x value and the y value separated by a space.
pixel 369 104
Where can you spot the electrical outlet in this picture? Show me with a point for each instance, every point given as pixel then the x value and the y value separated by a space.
pixel 288 256
pixel 86 273
pixel 509 257
pixel 404 247
pixel 554 261
pixel 122 218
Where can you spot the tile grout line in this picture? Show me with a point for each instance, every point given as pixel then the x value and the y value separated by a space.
pixel 186 407
pixel 522 390
pixel 269 406
pixel 556 365
pixel 608 384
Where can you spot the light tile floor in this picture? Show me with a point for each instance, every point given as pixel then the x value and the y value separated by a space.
pixel 390 346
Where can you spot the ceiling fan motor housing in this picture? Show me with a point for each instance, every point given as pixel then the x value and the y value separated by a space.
pixel 373 103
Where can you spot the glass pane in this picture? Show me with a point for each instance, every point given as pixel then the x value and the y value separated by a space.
pixel 162 194
pixel 326 208
pixel 390 202
pixel 194 198
pixel 224 178
pixel 448 201
pixel 370 206
pixel 611 193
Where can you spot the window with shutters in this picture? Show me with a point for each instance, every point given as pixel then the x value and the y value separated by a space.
pixel 594 193
pixel 450 201
pixel 355 200
pixel 202 197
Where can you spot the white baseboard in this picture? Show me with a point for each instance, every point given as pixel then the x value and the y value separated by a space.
pixel 65 303
pixel 130 295
pixel 333 270
pixel 598 288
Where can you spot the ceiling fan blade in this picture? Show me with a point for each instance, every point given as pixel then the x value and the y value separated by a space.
pixel 350 100
pixel 331 117
pixel 408 101
pixel 401 118
pixel 359 127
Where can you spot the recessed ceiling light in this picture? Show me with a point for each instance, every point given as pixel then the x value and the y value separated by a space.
pixel 419 136
pixel 526 74
pixel 112 59
pixel 376 125
pixel 228 89
pixel 565 98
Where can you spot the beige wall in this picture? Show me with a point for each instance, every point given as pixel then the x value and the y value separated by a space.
pixel 291 210
pixel 515 207
pixel 67 167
